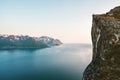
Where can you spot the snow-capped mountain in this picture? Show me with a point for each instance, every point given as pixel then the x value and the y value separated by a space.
pixel 15 41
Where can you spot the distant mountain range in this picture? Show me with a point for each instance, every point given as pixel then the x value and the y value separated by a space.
pixel 27 42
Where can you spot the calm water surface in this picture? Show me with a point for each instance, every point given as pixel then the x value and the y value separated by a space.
pixel 65 62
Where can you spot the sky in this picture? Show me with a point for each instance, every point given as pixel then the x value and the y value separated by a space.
pixel 67 20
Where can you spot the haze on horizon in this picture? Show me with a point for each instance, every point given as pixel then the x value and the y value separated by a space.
pixel 68 20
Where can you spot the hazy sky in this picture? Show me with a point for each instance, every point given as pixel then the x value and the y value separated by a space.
pixel 68 20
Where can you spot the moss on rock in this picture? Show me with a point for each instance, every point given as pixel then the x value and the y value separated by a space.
pixel 106 47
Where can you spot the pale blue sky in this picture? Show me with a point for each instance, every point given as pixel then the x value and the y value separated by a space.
pixel 68 20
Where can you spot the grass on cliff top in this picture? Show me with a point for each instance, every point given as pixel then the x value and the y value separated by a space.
pixel 112 16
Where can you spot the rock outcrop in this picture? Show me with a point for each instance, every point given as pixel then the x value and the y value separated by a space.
pixel 105 64
pixel 27 42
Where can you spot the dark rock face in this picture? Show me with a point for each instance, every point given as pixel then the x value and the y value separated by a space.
pixel 27 42
pixel 105 33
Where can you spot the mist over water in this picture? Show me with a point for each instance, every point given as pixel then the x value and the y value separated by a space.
pixel 65 62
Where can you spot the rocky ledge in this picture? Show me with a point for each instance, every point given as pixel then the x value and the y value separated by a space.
pixel 105 64
pixel 27 42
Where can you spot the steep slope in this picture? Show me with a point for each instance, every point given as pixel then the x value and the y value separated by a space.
pixel 105 33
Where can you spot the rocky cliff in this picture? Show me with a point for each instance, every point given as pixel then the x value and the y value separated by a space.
pixel 105 64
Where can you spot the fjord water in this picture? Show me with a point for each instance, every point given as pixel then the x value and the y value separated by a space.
pixel 65 62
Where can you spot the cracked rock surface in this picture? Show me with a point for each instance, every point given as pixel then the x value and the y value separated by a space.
pixel 105 33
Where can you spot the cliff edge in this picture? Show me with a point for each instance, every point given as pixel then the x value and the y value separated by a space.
pixel 105 64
